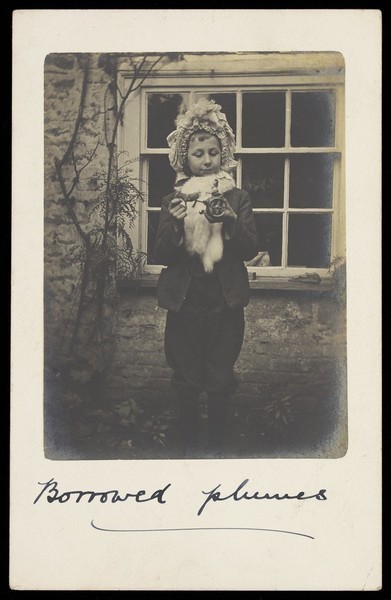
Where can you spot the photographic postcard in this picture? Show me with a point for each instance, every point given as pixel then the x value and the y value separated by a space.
pixel 103 495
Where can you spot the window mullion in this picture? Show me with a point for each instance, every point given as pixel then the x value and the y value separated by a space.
pixel 144 121
pixel 291 150
pixel 143 220
pixel 239 173
pixel 309 211
pixel 239 104
pixel 285 217
pixel 336 229
pixel 268 210
pixel 288 117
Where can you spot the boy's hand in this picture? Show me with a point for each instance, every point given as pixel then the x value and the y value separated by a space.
pixel 229 214
pixel 177 210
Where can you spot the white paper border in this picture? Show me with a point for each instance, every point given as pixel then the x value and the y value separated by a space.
pixel 54 547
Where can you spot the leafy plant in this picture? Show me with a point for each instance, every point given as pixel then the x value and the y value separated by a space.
pixel 280 414
pixel 119 203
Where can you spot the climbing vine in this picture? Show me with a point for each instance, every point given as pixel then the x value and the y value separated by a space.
pixel 105 249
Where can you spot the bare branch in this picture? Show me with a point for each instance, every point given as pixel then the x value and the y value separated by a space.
pixel 67 196
pixel 148 72
pixel 105 115
pixel 132 63
pixel 70 152
pixel 74 162
pixel 119 91
pixel 89 160
pixel 80 307
pixel 139 67
pixel 83 94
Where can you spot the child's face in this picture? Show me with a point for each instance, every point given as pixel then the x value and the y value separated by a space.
pixel 204 154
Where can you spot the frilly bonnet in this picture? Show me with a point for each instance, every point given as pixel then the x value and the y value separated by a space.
pixel 205 115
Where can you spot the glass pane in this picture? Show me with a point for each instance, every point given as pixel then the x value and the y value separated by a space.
pixel 153 222
pixel 269 227
pixel 161 178
pixel 263 120
pixel 227 102
pixel 309 241
pixel 263 179
pixel 313 119
pixel 162 112
pixel 311 181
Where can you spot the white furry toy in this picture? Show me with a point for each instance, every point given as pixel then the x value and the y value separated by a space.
pixel 201 237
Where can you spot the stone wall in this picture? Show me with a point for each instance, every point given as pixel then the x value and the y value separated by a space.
pixel 63 244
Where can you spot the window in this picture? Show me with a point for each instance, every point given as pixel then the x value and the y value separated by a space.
pixel 289 134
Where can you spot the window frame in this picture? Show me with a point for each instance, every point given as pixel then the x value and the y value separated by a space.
pixel 133 138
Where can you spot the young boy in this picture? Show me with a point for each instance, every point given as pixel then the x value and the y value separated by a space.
pixel 205 285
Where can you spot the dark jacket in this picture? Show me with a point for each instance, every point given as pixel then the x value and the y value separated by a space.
pixel 242 245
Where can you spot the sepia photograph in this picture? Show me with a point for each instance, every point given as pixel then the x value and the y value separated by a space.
pixel 196 291
pixel 194 255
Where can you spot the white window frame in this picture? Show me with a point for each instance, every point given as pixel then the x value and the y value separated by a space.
pixel 301 76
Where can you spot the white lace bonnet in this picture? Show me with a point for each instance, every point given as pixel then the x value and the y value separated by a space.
pixel 205 115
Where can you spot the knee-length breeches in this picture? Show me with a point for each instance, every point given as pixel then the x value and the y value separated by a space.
pixel 202 346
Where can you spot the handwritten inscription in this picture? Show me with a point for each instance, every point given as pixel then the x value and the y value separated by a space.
pixel 51 492
pixel 239 494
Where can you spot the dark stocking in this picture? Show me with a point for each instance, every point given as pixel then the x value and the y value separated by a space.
pixel 189 421
pixel 219 407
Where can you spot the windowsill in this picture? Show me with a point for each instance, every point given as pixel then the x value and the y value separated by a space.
pixel 261 282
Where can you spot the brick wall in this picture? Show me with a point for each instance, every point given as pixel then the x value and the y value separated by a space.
pixel 294 351
pixel 293 340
